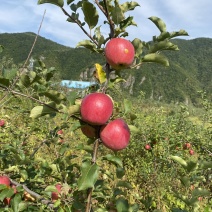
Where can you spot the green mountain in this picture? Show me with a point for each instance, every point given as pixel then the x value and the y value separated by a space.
pixel 189 70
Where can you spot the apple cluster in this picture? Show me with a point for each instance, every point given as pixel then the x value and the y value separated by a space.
pixel 96 110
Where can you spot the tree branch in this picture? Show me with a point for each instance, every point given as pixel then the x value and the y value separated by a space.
pixel 80 25
pixel 34 194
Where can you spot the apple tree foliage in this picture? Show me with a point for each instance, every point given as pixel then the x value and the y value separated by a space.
pixel 93 178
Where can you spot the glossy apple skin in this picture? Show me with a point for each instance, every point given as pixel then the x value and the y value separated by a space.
pixel 115 135
pixel 55 194
pixel 5 180
pixel 96 108
pixel 119 53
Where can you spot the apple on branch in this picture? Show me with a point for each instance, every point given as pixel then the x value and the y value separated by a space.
pixel 55 194
pixel 96 108
pixel 115 135
pixel 5 180
pixel 119 53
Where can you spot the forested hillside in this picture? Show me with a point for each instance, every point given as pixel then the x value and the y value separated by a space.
pixel 189 71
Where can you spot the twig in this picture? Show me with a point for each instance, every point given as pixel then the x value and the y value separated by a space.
pixel 33 45
pixel 36 100
pixel 80 25
pixel 34 194
pixel 36 149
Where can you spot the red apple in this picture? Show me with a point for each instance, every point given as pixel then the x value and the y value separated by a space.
pixel 8 199
pixel 96 108
pixel 119 53
pixel 5 180
pixel 55 194
pixel 115 135
pixel 2 123
pixel 191 151
pixel 147 147
pixel 186 146
pixel 60 132
pixel 61 141
pixel 88 131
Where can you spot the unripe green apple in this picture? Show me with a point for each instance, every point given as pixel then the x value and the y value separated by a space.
pixel 119 53
pixel 96 108
pixel 115 135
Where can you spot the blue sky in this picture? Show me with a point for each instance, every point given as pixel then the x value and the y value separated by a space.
pixel 194 16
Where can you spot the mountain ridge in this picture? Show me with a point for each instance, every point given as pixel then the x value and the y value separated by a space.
pixel 189 71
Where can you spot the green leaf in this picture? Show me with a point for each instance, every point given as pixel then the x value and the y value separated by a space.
pixel 5 82
pixel 127 106
pixel 179 160
pixel 199 192
pixel 89 176
pixel 120 172
pixel 91 16
pixel 138 45
pixel 124 184
pixel 178 33
pixel 69 1
pixel 133 129
pixel 24 175
pixel 73 109
pixel 98 36
pixel 25 80
pixel 87 44
pixel 39 111
pixel 191 166
pixel 129 6
pixel 8 192
pixel 159 23
pixel 15 202
pixel 73 18
pixel 114 159
pixel 122 205
pixel 117 14
pixel 1 48
pixel 163 45
pixel 162 36
pixel 127 22
pixel 185 181
pixel 206 165
pixel 50 188
pixel 156 58
pixel 59 3
pixel 55 96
